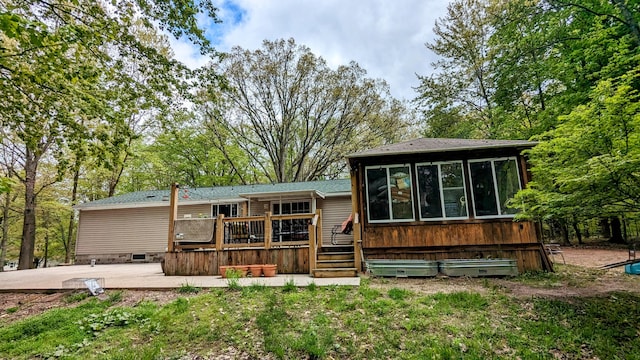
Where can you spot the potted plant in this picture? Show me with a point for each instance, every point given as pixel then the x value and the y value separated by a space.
pixel 223 271
pixel 269 270
pixel 256 270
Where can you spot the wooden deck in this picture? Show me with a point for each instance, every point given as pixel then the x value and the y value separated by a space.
pixel 201 246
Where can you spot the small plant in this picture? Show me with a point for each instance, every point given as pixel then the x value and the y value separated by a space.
pixel 398 294
pixel 188 289
pixel 254 287
pixel 312 286
pixel 115 297
pixel 12 310
pixel 233 279
pixel 290 286
pixel 76 297
pixel 118 317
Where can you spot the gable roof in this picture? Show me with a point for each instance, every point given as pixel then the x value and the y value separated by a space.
pixel 435 145
pixel 206 195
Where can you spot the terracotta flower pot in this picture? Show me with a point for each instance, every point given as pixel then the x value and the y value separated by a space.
pixel 243 269
pixel 269 270
pixel 256 270
pixel 223 271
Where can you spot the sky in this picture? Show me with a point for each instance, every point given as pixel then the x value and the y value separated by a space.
pixel 385 37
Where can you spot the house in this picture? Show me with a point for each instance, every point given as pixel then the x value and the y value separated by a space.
pixel 436 199
pixel 134 227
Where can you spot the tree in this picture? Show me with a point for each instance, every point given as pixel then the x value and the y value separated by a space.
pixel 53 58
pixel 457 99
pixel 295 117
pixel 587 166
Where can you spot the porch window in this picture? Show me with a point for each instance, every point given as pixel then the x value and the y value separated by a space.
pixel 229 210
pixel 494 182
pixel 389 193
pixel 441 191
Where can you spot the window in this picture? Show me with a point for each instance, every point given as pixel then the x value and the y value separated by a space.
pixel 441 191
pixel 494 182
pixel 300 207
pixel 229 210
pixel 389 193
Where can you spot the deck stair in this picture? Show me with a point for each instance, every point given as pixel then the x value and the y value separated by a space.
pixel 335 261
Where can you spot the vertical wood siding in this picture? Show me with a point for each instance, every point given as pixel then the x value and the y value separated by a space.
pixel 193 263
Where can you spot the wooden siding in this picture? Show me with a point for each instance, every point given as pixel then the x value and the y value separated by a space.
pixel 335 210
pixel 136 230
pixel 435 240
pixel 290 260
pixel 452 234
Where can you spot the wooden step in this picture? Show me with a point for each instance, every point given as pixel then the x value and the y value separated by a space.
pixel 335 248
pixel 334 272
pixel 326 264
pixel 336 256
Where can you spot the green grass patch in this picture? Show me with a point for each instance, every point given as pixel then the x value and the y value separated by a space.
pixel 373 321
pixel 188 289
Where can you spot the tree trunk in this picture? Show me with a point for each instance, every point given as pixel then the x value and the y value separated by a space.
pixel 616 231
pixel 27 246
pixel 605 229
pixel 576 228
pixel 70 244
pixel 5 230
pixel 46 241
pixel 565 233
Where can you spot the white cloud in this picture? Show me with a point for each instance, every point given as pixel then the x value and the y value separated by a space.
pixel 385 37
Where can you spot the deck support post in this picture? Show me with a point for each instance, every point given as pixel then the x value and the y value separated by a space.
pixel 313 224
pixel 219 232
pixel 267 230
pixel 173 215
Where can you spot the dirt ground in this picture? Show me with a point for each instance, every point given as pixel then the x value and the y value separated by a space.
pixel 15 306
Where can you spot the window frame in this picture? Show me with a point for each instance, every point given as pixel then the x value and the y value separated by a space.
pixel 390 202
pixel 441 190
pixel 495 185
pixel 232 206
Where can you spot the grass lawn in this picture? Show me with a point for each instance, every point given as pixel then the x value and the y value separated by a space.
pixel 381 319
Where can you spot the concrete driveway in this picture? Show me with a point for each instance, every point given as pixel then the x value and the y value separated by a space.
pixel 137 276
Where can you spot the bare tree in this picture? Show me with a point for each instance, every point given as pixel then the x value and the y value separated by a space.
pixel 294 116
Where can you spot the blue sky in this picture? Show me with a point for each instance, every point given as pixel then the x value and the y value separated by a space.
pixel 386 37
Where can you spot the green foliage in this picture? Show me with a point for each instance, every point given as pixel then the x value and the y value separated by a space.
pixel 398 294
pixel 188 289
pixel 114 297
pixel 562 73
pixel 290 286
pixel 233 279
pixel 80 79
pixel 586 167
pixel 76 297
pixel 312 286
pixel 119 317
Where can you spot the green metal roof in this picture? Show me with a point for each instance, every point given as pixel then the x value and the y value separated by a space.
pixel 205 194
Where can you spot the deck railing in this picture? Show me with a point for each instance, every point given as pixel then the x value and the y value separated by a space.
pixel 266 231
